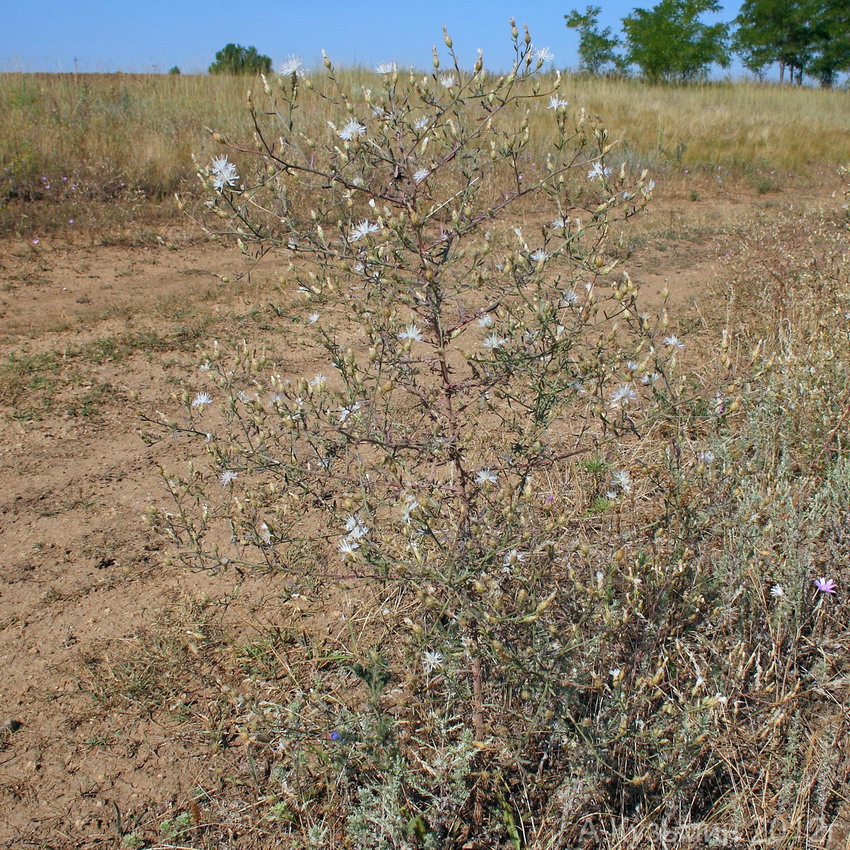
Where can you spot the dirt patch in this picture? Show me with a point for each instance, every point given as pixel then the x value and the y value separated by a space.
pixel 108 657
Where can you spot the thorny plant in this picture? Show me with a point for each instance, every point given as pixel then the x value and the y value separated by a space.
pixel 500 462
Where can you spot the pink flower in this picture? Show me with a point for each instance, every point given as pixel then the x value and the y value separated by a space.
pixel 825 585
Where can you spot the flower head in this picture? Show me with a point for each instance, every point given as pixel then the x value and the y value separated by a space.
pixel 539 256
pixel 412 333
pixel 223 172
pixel 421 175
pixel 448 81
pixel 825 585
pixel 598 172
pixel 386 68
pixel 227 477
pixel 556 102
pixel 352 129
pixel 362 230
pixel 485 476
pixel 356 528
pixel 493 342
pixel 673 341
pixel 543 54
pixel 201 399
pixel 291 65
pixel 777 591
pixel 431 660
pixel 623 480
pixel 622 396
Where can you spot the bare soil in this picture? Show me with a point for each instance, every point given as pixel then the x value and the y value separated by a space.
pixel 112 662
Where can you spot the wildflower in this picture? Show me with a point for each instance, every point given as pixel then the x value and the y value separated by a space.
pixel 346 413
pixel 407 510
pixel 291 65
pixel 561 223
pixel 386 68
pixel 486 321
pixel 623 480
pixel 556 102
pixel 539 256
pixel 493 342
pixel 646 191
pixel 421 123
pixel 631 366
pixel 543 54
pixel 598 172
pixel 227 477
pixel 35 241
pixel 622 396
pixel 356 528
pixel 513 558
pixel 265 534
pixel 412 333
pixel 569 299
pixel 318 382
pixel 351 130
pixel 448 81
pixel 825 585
pixel 485 476
pixel 673 341
pixel 223 172
pixel 313 318
pixel 348 548
pixel 421 175
pixel 205 367
pixel 777 591
pixel 363 229
pixel 706 457
pixel 650 379
pixel 201 399
pixel 336 735
pixel 432 659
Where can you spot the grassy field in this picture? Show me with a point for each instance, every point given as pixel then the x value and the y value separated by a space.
pixel 131 139
pixel 639 644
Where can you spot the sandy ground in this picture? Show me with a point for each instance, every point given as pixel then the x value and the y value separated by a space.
pixel 85 758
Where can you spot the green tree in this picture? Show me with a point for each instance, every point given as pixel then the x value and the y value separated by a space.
pixel 831 30
pixel 777 31
pixel 236 59
pixel 597 49
pixel 670 43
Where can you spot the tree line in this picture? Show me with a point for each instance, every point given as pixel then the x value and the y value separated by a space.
pixel 670 42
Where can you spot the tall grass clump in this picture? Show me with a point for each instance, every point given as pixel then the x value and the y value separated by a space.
pixel 550 538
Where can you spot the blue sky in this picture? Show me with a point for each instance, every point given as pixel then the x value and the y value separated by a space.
pixel 154 35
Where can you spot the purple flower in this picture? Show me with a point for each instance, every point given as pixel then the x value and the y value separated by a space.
pixel 825 585
pixel 336 735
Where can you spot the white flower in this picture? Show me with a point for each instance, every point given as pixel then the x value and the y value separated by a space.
pixel 623 480
pixel 486 321
pixel 622 396
pixel 422 123
pixel 386 68
pixel 223 172
pixel 205 367
pixel 291 65
pixel 421 175
pixel 706 457
pixel 447 81
pixel 351 130
pixel 201 399
pixel 569 299
pixel 556 102
pixel 227 477
pixel 318 382
pixel 539 256
pixel 356 528
pixel 543 54
pixel 646 191
pixel 598 172
pixel 512 558
pixel 265 534
pixel 363 229
pixel 485 476
pixel 674 342
pixel 650 379
pixel 631 366
pixel 561 223
pixel 431 660
pixel 347 548
pixel 412 333
pixel 313 318
pixel 493 342
pixel 346 413
pixel 407 510
pixel 777 591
